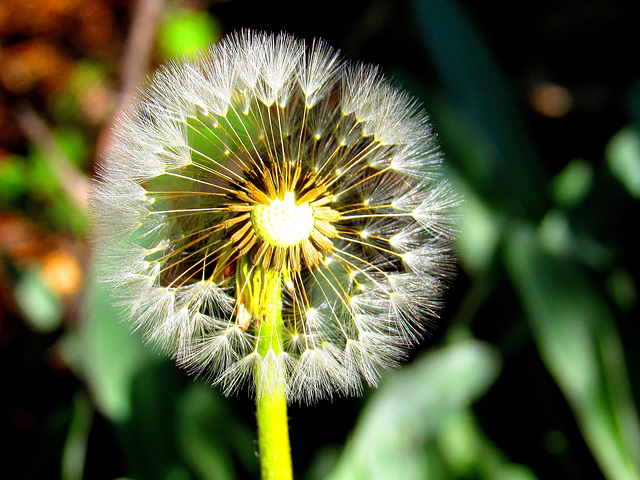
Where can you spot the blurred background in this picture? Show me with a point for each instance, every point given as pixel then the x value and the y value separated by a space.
pixel 532 372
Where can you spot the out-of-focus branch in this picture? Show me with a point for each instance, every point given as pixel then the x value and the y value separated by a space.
pixel 73 181
pixel 135 62
pixel 137 50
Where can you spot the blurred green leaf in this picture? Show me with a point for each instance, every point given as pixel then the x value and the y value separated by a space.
pixel 578 341
pixel 460 444
pixel 87 84
pixel 481 226
pixel 468 453
pixel 556 234
pixel 149 435
pixel 622 288
pixel 164 429
pixel 75 448
pixel 411 406
pixel 107 354
pixel 41 306
pixel 211 436
pixel 12 179
pixel 572 184
pixel 74 143
pixel 476 87
pixel 30 184
pixel 186 31
pixel 324 461
pixel 623 158
pixel 202 439
pixel 42 182
pixel 44 189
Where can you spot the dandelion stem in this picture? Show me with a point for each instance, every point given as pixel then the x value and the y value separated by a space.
pixel 271 399
pixel 273 437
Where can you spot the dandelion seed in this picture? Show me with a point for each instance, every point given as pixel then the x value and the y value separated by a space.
pixel 269 169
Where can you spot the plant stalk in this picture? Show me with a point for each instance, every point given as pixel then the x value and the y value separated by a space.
pixel 273 437
pixel 271 398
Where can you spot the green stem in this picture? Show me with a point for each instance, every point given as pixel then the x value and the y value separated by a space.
pixel 271 398
pixel 273 437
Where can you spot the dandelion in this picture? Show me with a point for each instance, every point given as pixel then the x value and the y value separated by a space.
pixel 274 217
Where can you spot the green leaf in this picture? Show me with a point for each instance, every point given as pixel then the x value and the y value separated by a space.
pixel 75 448
pixel 622 289
pixel 468 453
pixel 556 235
pixel 12 179
pixel 165 431
pixel 578 341
pixel 572 184
pixel 210 435
pixel 107 354
pixel 477 89
pixel 410 408
pixel 40 305
pixel 74 143
pixel 481 225
pixel 623 158
pixel 149 435
pixel 186 31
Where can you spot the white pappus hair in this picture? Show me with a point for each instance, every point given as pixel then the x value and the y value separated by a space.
pixel 219 148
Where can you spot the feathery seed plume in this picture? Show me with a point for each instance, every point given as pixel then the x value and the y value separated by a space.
pixel 269 168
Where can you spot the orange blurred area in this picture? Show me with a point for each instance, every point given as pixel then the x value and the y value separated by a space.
pixel 58 258
pixel 63 273
pixel 33 63
pixel 87 24
pixel 59 63
pixel 42 43
pixel 551 100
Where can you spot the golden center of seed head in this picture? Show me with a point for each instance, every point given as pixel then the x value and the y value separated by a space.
pixel 282 223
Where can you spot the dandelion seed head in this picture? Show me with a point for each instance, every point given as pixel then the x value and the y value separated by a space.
pixel 268 154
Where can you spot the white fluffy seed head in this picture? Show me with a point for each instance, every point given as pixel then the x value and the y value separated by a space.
pixel 266 152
